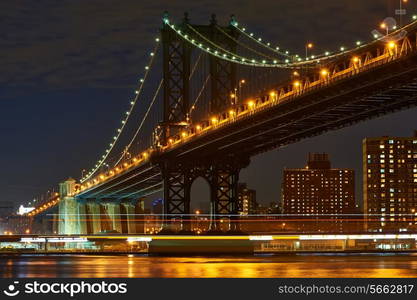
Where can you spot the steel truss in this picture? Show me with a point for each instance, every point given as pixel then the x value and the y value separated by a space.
pixel 222 176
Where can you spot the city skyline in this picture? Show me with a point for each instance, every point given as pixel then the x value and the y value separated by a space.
pixel 25 177
pixel 208 139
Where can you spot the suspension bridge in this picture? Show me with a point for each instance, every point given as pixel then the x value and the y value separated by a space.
pixel 212 97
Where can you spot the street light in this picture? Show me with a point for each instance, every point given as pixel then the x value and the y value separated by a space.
pixel 237 94
pixel 384 26
pixel 401 11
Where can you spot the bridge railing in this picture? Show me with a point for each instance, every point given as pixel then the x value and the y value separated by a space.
pixel 392 51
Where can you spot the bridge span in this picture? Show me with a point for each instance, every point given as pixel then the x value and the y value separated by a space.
pixel 332 92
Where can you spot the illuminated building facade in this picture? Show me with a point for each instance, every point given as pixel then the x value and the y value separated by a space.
pixel 247 200
pixel 318 192
pixel 390 183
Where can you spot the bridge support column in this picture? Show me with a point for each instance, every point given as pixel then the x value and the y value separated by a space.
pixel 222 73
pixel 72 215
pixel 94 217
pixel 68 208
pixel 223 177
pixel 139 211
pixel 176 74
pixel 176 197
pixel 224 194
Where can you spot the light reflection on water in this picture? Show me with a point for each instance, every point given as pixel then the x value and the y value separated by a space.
pixel 262 266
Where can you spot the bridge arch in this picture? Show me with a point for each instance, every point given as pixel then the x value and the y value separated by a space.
pixel 200 203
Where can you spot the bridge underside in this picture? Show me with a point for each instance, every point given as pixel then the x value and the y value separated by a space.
pixel 219 155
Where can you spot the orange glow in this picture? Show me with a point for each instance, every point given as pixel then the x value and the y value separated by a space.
pixel 310 45
pixel 324 72
pixel 170 141
pixel 355 59
pixel 391 45
pixel 198 127
pixel 383 25
pixel 251 103
pixel 297 84
pixel 183 134
pixel 214 120
pixel 272 94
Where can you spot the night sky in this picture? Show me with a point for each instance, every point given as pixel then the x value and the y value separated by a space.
pixel 68 69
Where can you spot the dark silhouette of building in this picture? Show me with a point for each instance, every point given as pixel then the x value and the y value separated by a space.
pixel 390 183
pixel 157 207
pixel 6 208
pixel 318 197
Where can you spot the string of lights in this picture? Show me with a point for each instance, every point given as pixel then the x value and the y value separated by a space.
pixel 296 57
pixel 124 121
pixel 213 44
pixel 224 54
pixel 149 109
pixel 227 55
pixel 314 58
pixel 260 41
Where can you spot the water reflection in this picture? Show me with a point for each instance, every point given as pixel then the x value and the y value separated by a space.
pixel 245 267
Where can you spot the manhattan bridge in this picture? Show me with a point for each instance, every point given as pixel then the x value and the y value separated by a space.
pixel 217 99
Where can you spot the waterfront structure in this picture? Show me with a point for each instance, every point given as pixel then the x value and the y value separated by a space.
pixel 390 183
pixel 318 192
pixel 84 216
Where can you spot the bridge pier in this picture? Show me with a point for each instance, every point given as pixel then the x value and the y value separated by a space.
pixel 72 211
pixel 94 217
pixel 223 178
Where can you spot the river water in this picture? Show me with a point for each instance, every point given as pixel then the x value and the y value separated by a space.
pixel 263 266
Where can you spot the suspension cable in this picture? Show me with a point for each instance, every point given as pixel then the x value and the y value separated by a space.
pixel 259 40
pixel 199 95
pixel 142 121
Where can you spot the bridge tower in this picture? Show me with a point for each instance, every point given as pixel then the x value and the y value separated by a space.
pixel 178 175
pixel 177 69
pixel 222 73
